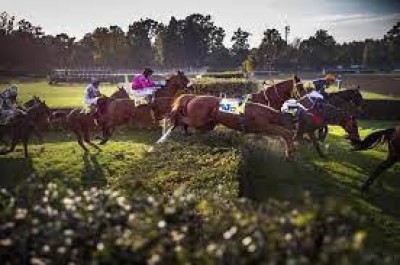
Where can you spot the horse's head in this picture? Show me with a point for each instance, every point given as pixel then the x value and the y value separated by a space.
pixel 355 96
pixel 33 101
pixel 39 113
pixel 350 125
pixel 177 82
pixel 120 93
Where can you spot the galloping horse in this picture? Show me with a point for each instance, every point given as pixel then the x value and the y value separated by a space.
pixel 119 111
pixel 349 100
pixel 329 114
pixel 274 96
pixel 202 113
pixel 392 136
pixel 24 124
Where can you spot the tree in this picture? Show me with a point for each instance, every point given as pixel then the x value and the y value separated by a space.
pixel 240 46
pixel 392 39
pixel 140 36
pixel 270 49
pixel 318 51
pixel 169 44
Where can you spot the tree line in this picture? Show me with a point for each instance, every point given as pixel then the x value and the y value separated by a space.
pixel 192 42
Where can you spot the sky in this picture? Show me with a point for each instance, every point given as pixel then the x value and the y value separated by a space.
pixel 346 20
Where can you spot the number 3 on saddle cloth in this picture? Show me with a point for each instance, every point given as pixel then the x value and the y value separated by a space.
pixel 233 105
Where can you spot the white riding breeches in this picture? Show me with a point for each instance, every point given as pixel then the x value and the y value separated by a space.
pixel 91 101
pixel 141 92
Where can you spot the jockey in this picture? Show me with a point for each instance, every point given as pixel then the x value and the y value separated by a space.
pixel 142 85
pixel 92 94
pixel 321 84
pixel 8 106
pixel 293 107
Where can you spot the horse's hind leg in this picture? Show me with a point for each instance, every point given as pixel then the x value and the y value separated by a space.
pixel 381 167
pixel 86 137
pixel 107 133
pixel 316 144
pixel 80 142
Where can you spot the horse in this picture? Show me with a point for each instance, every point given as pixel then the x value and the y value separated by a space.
pixel 202 113
pixel 348 99
pixel 309 123
pixel 119 111
pixel 24 124
pixel 392 137
pixel 274 96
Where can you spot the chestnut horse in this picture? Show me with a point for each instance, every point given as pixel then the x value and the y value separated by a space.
pixel 392 137
pixel 116 112
pixel 202 112
pixel 274 96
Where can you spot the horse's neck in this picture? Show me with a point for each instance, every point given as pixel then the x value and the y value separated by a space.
pixel 333 115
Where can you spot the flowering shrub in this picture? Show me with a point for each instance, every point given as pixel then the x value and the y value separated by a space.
pixel 179 206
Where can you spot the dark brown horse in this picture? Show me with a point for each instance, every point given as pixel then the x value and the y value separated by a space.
pixel 202 113
pixel 274 96
pixel 310 122
pixel 392 137
pixel 24 124
pixel 349 100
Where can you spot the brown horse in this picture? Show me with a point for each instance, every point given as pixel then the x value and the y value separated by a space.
pixel 274 96
pixel 24 124
pixel 119 111
pixel 202 113
pixel 392 136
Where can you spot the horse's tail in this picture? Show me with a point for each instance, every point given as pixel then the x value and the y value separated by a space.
pixel 374 139
pixel 179 107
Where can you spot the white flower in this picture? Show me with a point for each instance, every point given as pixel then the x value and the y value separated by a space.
pixel 162 224
pixel 21 213
pixel 246 241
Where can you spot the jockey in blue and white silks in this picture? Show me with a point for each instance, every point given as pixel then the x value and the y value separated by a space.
pixel 92 93
pixel 8 106
pixel 321 84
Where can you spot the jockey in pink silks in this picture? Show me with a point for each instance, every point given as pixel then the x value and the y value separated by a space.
pixel 142 85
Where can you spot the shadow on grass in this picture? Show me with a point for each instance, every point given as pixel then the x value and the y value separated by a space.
pixel 120 135
pixel 13 170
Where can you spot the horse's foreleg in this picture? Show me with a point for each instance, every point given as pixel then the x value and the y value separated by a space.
pixel 316 144
pixel 38 134
pixel 86 137
pixel 381 167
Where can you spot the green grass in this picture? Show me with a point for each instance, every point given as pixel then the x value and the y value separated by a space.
pixel 61 157
pixel 62 95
